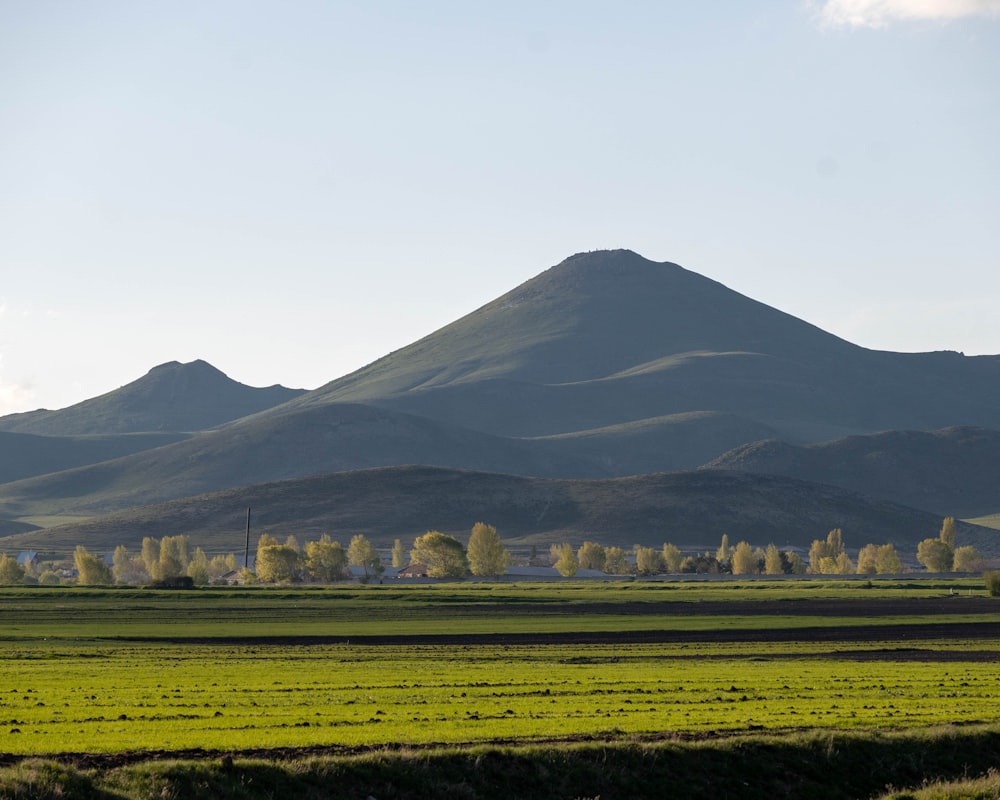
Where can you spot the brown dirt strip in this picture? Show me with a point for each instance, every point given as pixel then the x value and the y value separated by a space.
pixel 876 607
pixel 855 633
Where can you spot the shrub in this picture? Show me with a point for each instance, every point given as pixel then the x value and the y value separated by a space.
pixel 992 579
pixel 173 582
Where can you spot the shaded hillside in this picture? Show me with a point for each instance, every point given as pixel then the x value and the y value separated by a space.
pixel 340 437
pixel 609 337
pixel 10 528
pixel 23 455
pixel 952 472
pixel 689 509
pixel 171 397
pixel 658 444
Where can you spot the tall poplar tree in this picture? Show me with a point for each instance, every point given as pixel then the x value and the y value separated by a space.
pixel 486 553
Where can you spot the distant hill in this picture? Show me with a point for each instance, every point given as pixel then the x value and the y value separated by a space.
pixel 953 472
pixel 690 509
pixel 171 397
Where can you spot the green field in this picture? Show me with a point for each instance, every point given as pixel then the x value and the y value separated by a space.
pixel 350 670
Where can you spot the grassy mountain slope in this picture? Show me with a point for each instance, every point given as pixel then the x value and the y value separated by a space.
pixel 23 455
pixel 657 444
pixel 340 437
pixel 171 397
pixel 609 337
pixel 687 508
pixel 954 471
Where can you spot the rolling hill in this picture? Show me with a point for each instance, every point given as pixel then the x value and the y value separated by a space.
pixel 954 471
pixel 341 437
pixel 690 509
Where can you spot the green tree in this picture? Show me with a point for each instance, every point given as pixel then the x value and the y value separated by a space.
pixel 564 559
pixel 967 559
pixel 219 565
pixel 591 555
pixel 174 556
pixel 10 571
pixel 616 561
pixel 844 564
pixel 671 559
pixel 362 553
pixel 128 569
pixel 818 551
pixel 151 556
pixel 277 563
pixel 744 560
pixel 835 543
pixel 867 560
pixel 487 555
pixel 121 563
pixel 947 534
pixel 935 555
pixel 265 540
pixel 90 570
pixel 326 560
pixel 887 560
pixel 197 568
pixel 701 564
pixel 398 554
pixel 649 561
pixel 443 555
pixel 725 553
pixel 824 554
pixel 774 564
pixel 795 564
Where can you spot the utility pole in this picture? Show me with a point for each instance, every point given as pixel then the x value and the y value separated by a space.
pixel 246 553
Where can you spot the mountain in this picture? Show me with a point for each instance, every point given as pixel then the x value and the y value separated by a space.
pixel 954 471
pixel 171 397
pixel 690 509
pixel 606 365
pixel 609 338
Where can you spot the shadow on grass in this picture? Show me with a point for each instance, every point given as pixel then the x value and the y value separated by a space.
pixel 834 766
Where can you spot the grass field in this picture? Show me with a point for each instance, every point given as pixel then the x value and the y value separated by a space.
pixel 126 674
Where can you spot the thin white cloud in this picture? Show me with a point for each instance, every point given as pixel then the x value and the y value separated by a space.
pixel 880 13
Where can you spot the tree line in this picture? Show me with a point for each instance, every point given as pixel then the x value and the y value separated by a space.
pixel 172 559
pixel 825 557
pixel 326 561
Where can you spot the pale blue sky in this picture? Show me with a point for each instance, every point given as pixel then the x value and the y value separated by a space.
pixel 290 190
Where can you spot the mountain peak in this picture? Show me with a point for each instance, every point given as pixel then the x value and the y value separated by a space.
pixel 170 397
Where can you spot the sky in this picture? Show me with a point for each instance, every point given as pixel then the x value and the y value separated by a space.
pixel 291 190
